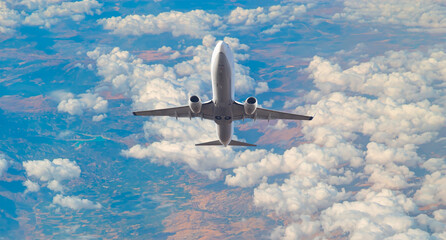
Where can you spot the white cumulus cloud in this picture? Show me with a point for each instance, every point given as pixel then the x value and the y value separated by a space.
pixel 427 15
pixel 196 23
pixel 9 18
pixel 305 160
pixel 278 15
pixel 51 172
pixel 31 186
pixel 304 228
pixel 77 105
pixel 75 203
pixel 3 165
pixel 98 118
pixel 298 195
pixel 375 215
pixel 389 176
pixel 261 88
pixel 33 4
pixel 51 14
pixel 44 13
pixel 435 164
pixel 432 190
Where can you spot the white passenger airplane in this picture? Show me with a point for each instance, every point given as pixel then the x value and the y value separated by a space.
pixel 222 108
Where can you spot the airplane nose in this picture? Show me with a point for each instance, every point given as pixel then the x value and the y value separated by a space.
pixel 221 47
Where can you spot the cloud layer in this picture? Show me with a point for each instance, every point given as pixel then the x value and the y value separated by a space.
pixel 356 173
pixel 363 168
pixel 371 120
pixel 196 23
pixel 45 13
pixel 429 15
pixel 383 109
pixel 278 16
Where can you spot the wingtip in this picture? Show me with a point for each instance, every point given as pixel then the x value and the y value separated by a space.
pixel 311 118
pixel 134 113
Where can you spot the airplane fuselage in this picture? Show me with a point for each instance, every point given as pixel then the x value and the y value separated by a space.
pixel 222 75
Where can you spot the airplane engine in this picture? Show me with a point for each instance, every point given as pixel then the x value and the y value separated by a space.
pixel 195 104
pixel 250 105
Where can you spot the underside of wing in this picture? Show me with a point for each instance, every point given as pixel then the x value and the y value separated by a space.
pixel 261 113
pixel 180 112
pixel 183 111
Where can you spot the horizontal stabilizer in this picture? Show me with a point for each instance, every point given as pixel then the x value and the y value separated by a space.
pixel 211 143
pixel 237 143
pixel 232 143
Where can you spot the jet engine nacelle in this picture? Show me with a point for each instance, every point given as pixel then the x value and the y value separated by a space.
pixel 195 104
pixel 250 105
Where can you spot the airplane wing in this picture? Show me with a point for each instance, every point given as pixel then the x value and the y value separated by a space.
pixel 262 113
pixel 207 112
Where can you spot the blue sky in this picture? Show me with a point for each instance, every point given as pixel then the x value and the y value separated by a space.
pixel 74 162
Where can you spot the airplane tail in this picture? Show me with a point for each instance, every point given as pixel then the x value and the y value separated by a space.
pixel 232 143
